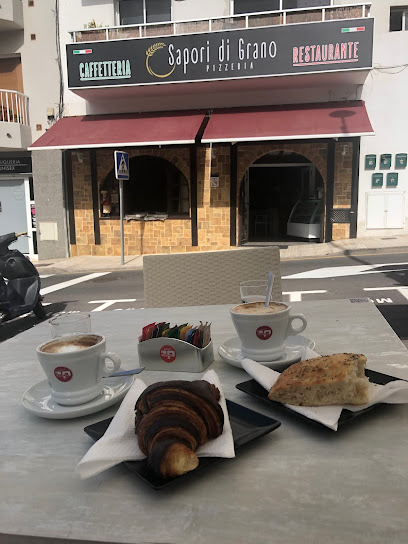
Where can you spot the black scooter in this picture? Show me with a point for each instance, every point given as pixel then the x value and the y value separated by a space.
pixel 21 293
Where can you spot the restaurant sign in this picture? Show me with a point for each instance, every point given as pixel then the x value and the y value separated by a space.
pixel 13 164
pixel 255 52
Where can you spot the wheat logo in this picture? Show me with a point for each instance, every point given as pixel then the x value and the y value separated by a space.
pixel 149 53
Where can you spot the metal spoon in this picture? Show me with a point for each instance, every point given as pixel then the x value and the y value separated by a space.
pixel 126 372
pixel 269 286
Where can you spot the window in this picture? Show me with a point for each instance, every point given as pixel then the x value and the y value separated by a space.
pixel 255 6
pixel 298 4
pixel 155 186
pixel 398 18
pixel 135 12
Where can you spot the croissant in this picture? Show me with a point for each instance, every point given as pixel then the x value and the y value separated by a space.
pixel 173 419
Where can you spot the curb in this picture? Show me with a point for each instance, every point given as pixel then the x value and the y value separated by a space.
pixel 347 252
pixel 72 268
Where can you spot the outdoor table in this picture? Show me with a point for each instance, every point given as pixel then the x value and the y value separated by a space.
pixel 299 484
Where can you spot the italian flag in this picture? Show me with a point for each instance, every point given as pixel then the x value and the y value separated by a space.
pixel 82 51
pixel 353 29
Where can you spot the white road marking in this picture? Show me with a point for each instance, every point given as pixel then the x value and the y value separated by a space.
pixel 68 283
pixel 401 290
pixel 107 303
pixel 383 300
pixel 338 271
pixel 296 296
pixel 43 276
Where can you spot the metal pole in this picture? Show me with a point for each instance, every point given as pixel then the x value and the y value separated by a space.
pixel 122 239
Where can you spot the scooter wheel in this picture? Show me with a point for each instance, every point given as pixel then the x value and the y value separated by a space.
pixel 39 311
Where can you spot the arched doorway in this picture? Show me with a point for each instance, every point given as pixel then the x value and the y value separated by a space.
pixel 281 200
pixel 156 186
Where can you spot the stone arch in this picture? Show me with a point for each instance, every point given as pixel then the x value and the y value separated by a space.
pixel 178 156
pixel 316 153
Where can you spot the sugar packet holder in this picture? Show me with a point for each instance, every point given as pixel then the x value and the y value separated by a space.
pixel 172 354
pixel 199 335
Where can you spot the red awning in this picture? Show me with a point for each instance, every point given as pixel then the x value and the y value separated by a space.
pixel 121 130
pixel 289 122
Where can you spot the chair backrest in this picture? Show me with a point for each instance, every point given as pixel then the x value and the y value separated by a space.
pixel 210 277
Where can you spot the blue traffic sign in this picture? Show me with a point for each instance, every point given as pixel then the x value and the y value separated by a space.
pixel 121 165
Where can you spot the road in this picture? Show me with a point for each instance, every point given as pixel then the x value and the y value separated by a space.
pixel 381 277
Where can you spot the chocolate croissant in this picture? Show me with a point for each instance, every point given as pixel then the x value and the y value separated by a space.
pixel 175 418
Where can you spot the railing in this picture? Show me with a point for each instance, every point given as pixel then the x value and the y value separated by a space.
pixel 13 107
pixel 232 22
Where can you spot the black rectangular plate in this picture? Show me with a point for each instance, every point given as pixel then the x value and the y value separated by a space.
pixel 246 426
pixel 253 388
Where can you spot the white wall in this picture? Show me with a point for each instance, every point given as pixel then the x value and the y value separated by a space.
pixel 385 94
pixel 74 15
pixel 39 63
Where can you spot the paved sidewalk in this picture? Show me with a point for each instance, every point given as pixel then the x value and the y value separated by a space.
pixel 293 251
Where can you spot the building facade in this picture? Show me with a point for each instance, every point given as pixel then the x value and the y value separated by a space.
pixel 30 80
pixel 246 122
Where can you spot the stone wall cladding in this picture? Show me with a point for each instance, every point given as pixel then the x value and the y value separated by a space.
pixel 214 216
pixel 173 235
pixel 341 231
pixel 342 176
pixel 213 204
pixel 342 187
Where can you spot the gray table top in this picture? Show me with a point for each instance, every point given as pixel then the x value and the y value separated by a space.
pixel 298 484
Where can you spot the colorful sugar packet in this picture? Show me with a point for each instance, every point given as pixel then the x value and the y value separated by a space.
pixel 198 336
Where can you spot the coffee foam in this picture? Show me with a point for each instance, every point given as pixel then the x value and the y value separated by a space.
pixel 71 345
pixel 259 308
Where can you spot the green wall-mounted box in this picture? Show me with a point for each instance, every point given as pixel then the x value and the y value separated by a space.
pixel 377 180
pixel 370 162
pixel 401 160
pixel 392 180
pixel 385 161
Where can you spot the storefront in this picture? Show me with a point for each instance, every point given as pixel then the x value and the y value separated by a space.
pixel 212 178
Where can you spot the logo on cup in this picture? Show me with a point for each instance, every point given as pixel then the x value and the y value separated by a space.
pixel 264 332
pixel 63 374
pixel 168 354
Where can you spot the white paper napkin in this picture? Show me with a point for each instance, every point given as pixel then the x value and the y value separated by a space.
pixel 395 392
pixel 119 443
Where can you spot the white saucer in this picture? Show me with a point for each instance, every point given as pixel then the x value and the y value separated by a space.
pixel 295 347
pixel 37 399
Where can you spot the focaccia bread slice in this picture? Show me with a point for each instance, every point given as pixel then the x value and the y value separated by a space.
pixel 322 381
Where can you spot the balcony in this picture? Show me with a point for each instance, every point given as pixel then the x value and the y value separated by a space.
pixel 250 20
pixel 11 15
pixel 326 47
pixel 16 132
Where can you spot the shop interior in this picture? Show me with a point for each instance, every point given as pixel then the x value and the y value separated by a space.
pixel 155 188
pixel 282 200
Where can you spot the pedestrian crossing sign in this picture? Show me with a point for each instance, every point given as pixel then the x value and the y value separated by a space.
pixel 121 165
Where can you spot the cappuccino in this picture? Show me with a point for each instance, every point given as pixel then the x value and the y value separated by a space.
pixel 264 329
pixel 259 308
pixel 75 365
pixel 71 345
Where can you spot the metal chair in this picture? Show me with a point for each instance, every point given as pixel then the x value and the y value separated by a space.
pixel 210 277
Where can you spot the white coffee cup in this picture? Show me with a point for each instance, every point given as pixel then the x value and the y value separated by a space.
pixel 75 365
pixel 264 329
